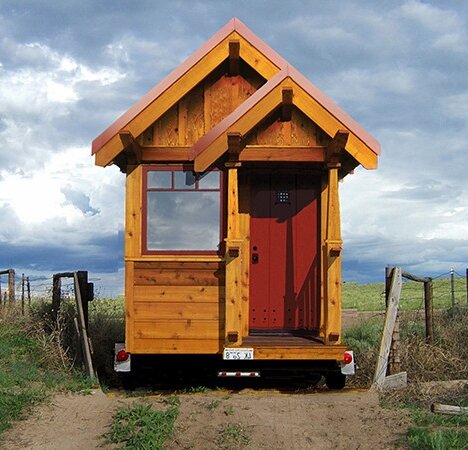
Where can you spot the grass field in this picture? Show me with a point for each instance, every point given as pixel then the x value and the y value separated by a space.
pixel 371 297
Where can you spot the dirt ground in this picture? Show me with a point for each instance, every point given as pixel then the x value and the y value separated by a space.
pixel 349 419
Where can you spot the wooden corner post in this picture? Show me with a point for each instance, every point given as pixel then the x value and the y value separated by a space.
pixel 233 315
pixel 332 243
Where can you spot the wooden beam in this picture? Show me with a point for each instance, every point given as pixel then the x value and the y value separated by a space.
pixel 287 104
pixel 336 146
pixel 448 409
pixel 283 153
pixel 165 154
pixel 234 52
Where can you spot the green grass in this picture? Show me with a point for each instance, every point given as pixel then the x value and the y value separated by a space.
pixel 29 371
pixel 139 426
pixel 371 296
pixel 438 432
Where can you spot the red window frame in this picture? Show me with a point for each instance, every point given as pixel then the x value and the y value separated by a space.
pixel 179 168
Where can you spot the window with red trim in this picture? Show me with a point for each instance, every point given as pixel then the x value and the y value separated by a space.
pixel 182 211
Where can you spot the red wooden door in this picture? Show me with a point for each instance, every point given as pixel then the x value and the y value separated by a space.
pixel 284 252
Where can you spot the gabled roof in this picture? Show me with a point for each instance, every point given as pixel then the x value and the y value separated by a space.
pixel 308 98
pixel 185 77
pixel 257 54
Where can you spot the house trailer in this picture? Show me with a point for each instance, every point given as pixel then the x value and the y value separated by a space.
pixel 232 217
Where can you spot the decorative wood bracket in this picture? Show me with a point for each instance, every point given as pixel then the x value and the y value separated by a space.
pixel 235 146
pixel 334 247
pixel 234 51
pixel 233 247
pixel 336 147
pixel 286 104
pixel 132 148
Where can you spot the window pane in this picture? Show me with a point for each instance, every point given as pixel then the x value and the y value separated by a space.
pixel 184 180
pixel 158 179
pixel 209 180
pixel 183 220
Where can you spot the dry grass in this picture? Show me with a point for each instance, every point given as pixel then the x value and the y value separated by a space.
pixel 444 359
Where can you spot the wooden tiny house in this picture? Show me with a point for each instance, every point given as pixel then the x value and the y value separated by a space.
pixel 232 208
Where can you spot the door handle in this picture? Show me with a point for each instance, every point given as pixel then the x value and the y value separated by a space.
pixel 254 258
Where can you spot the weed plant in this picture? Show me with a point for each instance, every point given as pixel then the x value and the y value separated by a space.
pixel 139 426
pixel 233 435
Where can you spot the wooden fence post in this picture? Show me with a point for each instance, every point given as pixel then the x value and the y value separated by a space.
pixel 28 286
pixel 56 285
pixel 467 286
pixel 11 285
pixel 428 310
pixel 22 294
pixel 452 287
pixel 84 291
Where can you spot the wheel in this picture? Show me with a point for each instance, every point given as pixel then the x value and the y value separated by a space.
pixel 335 380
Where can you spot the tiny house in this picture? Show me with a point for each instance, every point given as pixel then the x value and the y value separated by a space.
pixel 232 232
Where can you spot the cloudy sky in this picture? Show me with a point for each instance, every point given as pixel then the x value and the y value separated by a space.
pixel 69 69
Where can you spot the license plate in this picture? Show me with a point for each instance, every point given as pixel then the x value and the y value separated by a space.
pixel 239 354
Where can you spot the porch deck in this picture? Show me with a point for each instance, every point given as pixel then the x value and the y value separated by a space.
pixel 293 347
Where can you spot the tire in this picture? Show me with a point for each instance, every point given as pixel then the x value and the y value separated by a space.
pixel 335 381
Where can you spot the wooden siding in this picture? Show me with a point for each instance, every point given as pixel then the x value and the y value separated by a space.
pixel 299 131
pixel 201 109
pixel 176 306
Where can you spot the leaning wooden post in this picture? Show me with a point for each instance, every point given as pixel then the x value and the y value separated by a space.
pixel 428 310
pixel 11 285
pixel 83 332
pixel 394 357
pixel 387 334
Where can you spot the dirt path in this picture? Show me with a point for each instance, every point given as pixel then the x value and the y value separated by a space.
pixel 269 419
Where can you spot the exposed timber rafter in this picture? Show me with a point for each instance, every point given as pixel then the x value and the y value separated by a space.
pixel 234 52
pixel 286 104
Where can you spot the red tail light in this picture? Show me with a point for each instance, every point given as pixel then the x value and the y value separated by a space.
pixel 122 356
pixel 347 358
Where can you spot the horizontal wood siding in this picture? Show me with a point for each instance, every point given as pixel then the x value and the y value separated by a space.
pixel 178 307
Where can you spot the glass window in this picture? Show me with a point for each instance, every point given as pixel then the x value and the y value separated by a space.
pixel 184 180
pixel 184 216
pixel 160 179
pixel 209 180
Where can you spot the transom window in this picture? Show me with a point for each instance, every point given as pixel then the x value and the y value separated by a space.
pixel 182 210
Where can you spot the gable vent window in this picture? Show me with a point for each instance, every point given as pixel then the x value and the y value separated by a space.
pixel 182 211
